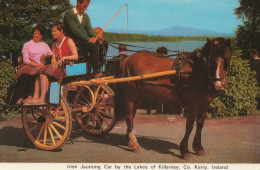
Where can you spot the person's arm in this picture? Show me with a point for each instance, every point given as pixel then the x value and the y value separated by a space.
pixel 53 59
pixel 47 53
pixel 26 57
pixel 71 25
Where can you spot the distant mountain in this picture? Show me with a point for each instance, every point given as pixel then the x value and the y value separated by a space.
pixel 172 31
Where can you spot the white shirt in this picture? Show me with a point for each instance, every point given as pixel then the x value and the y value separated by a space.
pixel 79 16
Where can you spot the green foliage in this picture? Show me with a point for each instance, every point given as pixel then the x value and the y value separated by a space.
pixel 7 73
pixel 18 17
pixel 149 38
pixel 248 34
pixel 238 99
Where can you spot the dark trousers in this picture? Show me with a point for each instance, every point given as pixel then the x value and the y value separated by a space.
pixel 85 48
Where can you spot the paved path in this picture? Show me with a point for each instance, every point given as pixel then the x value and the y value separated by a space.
pixel 229 140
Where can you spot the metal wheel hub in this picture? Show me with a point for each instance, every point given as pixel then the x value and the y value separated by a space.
pixel 41 119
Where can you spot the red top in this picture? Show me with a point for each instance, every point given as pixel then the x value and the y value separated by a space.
pixel 63 48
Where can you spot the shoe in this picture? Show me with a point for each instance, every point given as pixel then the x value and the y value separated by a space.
pixel 98 73
pixel 35 102
pixel 20 101
pixel 28 99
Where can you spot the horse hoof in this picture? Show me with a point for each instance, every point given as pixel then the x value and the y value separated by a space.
pixel 201 152
pixel 186 156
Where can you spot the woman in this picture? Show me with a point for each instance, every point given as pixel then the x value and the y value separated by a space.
pixel 64 48
pixel 64 51
pixel 34 53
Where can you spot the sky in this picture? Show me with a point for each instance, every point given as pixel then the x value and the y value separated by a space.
pixel 212 15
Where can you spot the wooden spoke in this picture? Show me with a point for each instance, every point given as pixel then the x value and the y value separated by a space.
pixel 107 115
pixel 85 98
pixel 103 119
pixel 34 127
pixel 100 124
pixel 52 126
pixel 99 119
pixel 40 133
pixel 55 130
pixel 45 135
pixel 59 125
pixel 84 115
pixel 51 134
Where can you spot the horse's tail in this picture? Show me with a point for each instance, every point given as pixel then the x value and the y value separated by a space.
pixel 119 102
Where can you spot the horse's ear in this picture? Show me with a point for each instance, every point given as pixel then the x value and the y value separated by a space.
pixel 228 42
pixel 208 40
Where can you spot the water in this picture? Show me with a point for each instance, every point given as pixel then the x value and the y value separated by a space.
pixel 174 46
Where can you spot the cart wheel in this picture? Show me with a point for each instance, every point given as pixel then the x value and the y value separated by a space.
pixel 48 127
pixel 98 117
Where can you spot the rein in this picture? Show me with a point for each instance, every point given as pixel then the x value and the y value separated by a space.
pixel 207 67
pixel 147 48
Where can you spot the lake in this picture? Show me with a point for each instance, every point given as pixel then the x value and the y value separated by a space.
pixel 174 46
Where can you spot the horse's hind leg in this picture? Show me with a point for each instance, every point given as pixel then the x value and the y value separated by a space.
pixel 191 115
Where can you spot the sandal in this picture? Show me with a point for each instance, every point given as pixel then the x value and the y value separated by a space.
pixel 30 102
pixel 28 99
pixel 20 101
pixel 35 102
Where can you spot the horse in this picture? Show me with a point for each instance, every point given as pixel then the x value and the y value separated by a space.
pixel 200 77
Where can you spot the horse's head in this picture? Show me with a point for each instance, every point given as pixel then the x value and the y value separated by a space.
pixel 216 58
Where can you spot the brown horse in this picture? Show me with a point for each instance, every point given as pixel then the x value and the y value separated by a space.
pixel 201 76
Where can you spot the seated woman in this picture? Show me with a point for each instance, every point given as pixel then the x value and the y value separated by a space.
pixel 34 53
pixel 64 51
pixel 64 48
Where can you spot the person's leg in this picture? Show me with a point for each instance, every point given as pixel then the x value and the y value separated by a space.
pixel 37 88
pixel 86 47
pixel 44 85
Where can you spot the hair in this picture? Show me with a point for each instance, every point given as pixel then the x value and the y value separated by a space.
pixel 162 50
pixel 41 28
pixel 254 52
pixel 81 1
pixel 97 30
pixel 58 25
pixel 121 47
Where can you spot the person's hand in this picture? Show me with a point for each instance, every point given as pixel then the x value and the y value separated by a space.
pixel 54 64
pixel 43 57
pixel 60 61
pixel 92 40
pixel 40 65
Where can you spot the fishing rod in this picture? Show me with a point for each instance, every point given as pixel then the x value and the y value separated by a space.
pixel 112 19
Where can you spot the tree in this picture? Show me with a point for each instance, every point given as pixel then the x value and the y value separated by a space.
pixel 248 34
pixel 18 17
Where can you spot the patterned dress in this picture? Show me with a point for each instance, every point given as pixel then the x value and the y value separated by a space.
pixel 32 52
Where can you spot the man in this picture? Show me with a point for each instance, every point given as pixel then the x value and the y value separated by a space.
pixel 122 53
pixel 78 27
pixel 113 64
pixel 163 51
pixel 255 63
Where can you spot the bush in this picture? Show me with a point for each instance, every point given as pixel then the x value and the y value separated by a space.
pixel 7 73
pixel 239 98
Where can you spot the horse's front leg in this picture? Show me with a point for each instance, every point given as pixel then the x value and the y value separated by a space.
pixel 191 115
pixel 131 139
pixel 196 145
